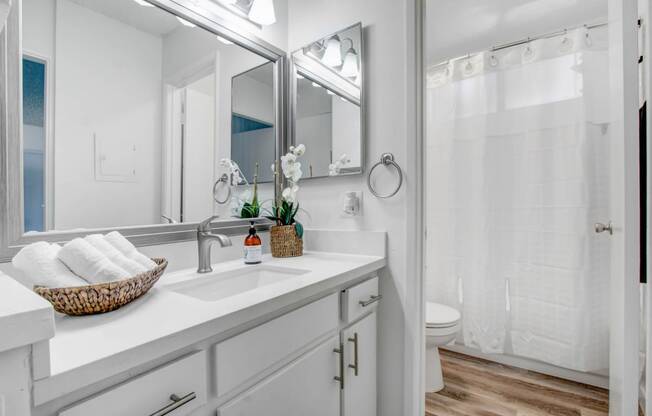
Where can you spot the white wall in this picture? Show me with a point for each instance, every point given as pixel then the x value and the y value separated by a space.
pixel 346 131
pixel 253 99
pixel 388 98
pixel 109 93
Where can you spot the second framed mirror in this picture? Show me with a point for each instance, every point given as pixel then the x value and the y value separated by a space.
pixel 327 113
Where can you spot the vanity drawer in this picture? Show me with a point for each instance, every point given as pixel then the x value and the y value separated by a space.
pixel 359 299
pixel 151 392
pixel 244 356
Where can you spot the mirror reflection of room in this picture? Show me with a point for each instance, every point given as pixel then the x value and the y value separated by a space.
pixel 100 139
pixel 328 98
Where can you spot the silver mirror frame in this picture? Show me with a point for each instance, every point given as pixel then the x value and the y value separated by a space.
pixel 12 236
pixel 292 110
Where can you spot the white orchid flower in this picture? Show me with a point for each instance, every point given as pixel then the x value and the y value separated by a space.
pixel 299 150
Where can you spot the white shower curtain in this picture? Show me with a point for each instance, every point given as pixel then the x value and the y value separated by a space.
pixel 517 172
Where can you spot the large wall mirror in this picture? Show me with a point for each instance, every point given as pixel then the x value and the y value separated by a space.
pixel 328 104
pixel 129 111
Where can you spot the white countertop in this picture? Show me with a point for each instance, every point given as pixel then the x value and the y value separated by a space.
pixel 24 318
pixel 88 349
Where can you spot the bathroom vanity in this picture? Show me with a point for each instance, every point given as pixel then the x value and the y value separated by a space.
pixel 290 336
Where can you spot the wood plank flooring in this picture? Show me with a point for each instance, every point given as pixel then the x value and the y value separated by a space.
pixel 475 387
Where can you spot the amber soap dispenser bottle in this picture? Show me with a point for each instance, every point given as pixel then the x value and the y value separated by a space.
pixel 253 247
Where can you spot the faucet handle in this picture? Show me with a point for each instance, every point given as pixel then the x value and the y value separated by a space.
pixel 205 225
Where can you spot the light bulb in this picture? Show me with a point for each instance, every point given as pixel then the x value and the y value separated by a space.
pixel 143 3
pixel 333 55
pixel 262 12
pixel 224 40
pixel 350 66
pixel 185 22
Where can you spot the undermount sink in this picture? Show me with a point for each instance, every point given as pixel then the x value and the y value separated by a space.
pixel 219 285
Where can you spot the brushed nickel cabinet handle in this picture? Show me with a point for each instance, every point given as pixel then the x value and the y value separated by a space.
pixel 340 378
pixel 372 299
pixel 354 366
pixel 177 402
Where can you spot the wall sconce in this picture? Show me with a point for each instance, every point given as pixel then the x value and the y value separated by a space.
pixel 329 52
pixel 258 11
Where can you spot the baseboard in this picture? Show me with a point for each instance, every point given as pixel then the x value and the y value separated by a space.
pixel 592 379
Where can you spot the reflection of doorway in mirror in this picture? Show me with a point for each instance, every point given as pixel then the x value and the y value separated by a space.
pixel 189 168
pixel 34 143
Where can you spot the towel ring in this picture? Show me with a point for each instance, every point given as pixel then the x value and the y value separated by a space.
pixel 386 159
pixel 223 179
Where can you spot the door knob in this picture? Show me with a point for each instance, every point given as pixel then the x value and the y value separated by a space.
pixel 600 227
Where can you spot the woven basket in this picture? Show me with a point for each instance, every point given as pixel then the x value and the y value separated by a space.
pixel 102 297
pixel 285 242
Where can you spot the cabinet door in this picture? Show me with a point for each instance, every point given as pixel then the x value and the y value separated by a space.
pixel 305 387
pixel 360 382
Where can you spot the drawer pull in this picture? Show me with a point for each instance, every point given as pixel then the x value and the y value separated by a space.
pixel 177 402
pixel 354 366
pixel 340 378
pixel 372 299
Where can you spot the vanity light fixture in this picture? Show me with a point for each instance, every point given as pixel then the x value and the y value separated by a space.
pixel 143 3
pixel 350 67
pixel 262 12
pixel 333 54
pixel 224 40
pixel 185 22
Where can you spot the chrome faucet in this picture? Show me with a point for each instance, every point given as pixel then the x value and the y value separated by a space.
pixel 205 239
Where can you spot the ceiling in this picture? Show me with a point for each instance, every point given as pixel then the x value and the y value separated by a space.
pixel 151 20
pixel 457 27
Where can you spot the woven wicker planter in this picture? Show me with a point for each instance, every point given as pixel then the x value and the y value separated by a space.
pixel 103 297
pixel 285 242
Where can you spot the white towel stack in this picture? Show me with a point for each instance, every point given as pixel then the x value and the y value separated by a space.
pixel 125 247
pixel 39 264
pixel 99 242
pixel 93 259
pixel 89 263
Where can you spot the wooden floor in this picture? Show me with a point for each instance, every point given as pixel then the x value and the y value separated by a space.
pixel 476 387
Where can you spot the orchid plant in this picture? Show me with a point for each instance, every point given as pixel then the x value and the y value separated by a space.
pixel 334 168
pixel 286 208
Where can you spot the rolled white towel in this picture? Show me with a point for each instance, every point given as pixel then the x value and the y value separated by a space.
pixel 99 242
pixel 87 262
pixel 39 264
pixel 125 247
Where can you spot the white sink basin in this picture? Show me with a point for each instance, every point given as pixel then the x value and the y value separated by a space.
pixel 219 285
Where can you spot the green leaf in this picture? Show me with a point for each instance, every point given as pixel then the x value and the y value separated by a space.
pixel 299 229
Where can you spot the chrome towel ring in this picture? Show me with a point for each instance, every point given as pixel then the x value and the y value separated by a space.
pixel 225 180
pixel 386 159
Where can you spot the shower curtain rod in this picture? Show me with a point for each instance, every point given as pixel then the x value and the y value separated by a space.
pixel 526 40
pixel 545 36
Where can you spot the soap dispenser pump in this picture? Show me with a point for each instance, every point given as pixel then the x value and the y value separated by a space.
pixel 253 247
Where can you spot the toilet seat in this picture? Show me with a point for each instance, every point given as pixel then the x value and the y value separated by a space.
pixel 441 316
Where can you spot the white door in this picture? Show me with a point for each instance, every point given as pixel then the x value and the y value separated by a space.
pixel 359 342
pixel 305 387
pixel 199 163
pixel 624 301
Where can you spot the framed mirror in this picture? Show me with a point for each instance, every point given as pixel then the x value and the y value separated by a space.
pixel 130 115
pixel 328 103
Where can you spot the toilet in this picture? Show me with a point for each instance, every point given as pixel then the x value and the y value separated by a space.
pixel 442 325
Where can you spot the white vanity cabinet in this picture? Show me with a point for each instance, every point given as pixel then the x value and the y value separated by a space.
pixel 359 393
pixel 304 387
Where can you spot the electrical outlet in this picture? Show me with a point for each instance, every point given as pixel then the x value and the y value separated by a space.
pixel 352 204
